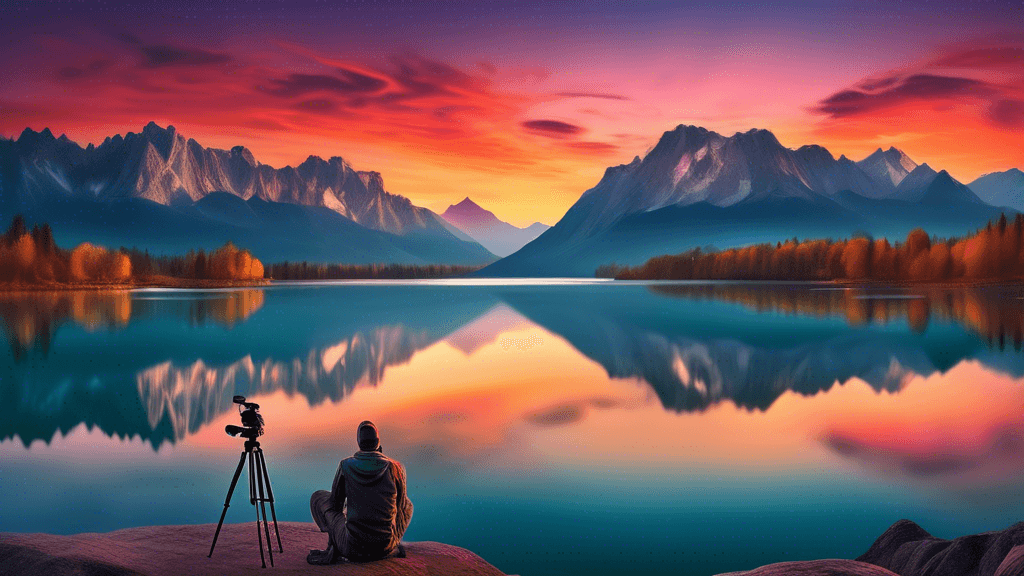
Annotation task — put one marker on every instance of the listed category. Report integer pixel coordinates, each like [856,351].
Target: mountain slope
[157,190]
[697,188]
[1001,188]
[501,238]
[887,168]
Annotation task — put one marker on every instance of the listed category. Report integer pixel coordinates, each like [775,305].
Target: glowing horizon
[521,108]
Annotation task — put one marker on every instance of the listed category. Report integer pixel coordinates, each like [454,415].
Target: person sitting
[367,509]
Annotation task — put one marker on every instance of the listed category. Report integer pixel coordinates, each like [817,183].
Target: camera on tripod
[252,421]
[260,492]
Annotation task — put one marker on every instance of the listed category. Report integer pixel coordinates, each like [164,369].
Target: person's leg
[331,521]
[319,504]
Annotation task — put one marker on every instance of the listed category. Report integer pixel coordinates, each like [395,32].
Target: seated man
[370,525]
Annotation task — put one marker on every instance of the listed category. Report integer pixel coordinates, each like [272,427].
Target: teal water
[552,428]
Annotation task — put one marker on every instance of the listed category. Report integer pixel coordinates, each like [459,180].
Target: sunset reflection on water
[536,405]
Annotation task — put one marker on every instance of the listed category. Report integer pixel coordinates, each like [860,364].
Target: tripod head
[252,421]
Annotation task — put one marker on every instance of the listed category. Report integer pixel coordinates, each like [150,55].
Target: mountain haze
[501,238]
[1001,188]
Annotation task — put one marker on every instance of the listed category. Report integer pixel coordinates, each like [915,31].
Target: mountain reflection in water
[161,365]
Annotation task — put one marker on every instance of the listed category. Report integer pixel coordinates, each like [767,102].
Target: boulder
[909,550]
[173,550]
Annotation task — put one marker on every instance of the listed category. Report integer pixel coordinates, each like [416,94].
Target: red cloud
[1008,113]
[594,147]
[993,57]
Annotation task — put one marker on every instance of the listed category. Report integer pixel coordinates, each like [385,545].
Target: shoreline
[194,284]
[151,282]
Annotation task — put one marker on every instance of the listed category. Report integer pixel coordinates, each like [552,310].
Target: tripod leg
[270,496]
[252,498]
[227,502]
[263,506]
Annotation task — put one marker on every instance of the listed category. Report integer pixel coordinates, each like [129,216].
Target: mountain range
[158,190]
[697,188]
[501,238]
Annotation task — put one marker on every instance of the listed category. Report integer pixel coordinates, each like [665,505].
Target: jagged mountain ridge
[698,188]
[159,191]
[161,165]
[500,237]
[887,168]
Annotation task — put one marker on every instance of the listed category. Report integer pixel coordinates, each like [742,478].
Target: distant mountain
[159,190]
[501,238]
[887,168]
[699,188]
[1001,188]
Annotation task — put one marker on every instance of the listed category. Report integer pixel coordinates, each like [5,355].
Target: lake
[553,427]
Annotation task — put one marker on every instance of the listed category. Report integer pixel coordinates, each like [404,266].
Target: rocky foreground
[906,549]
[175,550]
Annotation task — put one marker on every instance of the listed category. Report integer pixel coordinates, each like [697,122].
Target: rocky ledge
[906,549]
[174,550]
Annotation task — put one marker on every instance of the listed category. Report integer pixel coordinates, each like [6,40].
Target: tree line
[32,257]
[315,271]
[991,253]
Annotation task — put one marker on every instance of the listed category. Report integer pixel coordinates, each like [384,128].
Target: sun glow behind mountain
[521,107]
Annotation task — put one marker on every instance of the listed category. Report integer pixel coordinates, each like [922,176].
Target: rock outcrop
[173,550]
[906,549]
[909,550]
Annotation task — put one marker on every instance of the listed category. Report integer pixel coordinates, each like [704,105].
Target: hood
[366,467]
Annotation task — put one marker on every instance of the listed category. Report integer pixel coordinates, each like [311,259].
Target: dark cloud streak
[163,56]
[300,84]
[553,128]
[915,88]
[600,95]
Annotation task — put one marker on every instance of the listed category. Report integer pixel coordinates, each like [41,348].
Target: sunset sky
[521,105]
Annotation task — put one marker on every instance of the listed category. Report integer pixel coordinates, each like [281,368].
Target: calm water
[580,428]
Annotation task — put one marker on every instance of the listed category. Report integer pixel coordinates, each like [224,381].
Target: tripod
[258,479]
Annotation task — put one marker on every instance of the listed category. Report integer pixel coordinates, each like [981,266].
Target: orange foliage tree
[995,252]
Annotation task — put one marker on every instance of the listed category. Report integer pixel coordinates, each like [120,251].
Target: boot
[323,557]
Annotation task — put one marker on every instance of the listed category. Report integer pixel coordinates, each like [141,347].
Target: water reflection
[994,312]
[183,355]
[190,396]
[696,352]
[30,320]
[531,410]
[694,345]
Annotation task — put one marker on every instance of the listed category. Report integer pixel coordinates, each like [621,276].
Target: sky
[521,105]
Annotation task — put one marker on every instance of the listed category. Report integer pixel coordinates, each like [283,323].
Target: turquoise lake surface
[552,427]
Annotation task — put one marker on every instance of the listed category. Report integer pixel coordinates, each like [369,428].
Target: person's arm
[402,502]
[338,489]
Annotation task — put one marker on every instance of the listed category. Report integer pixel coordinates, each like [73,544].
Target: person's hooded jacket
[372,488]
